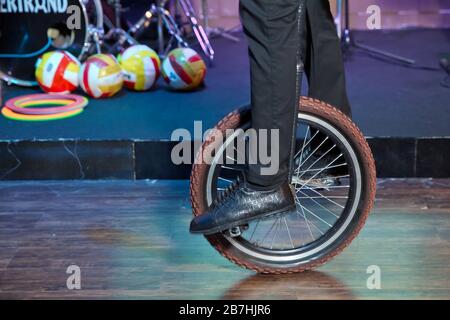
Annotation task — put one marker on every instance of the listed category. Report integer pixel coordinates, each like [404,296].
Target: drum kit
[85,27]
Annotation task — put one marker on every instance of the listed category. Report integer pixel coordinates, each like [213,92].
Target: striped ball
[183,69]
[57,72]
[141,67]
[101,76]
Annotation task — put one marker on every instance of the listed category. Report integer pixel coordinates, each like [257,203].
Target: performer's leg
[272,30]
[324,66]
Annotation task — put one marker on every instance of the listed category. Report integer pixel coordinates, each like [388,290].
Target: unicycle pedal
[236,231]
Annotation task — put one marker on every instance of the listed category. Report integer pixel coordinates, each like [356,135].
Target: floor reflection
[131,240]
[307,285]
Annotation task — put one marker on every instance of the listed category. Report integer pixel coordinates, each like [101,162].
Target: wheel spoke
[226,180]
[306,221]
[309,222]
[276,232]
[320,158]
[333,197]
[312,153]
[289,233]
[268,232]
[341,177]
[325,168]
[303,147]
[324,187]
[320,205]
[256,226]
[313,214]
[335,159]
[325,197]
[231,168]
[309,141]
[231,158]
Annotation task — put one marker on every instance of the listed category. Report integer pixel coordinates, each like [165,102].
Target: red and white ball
[140,66]
[101,76]
[57,72]
[183,69]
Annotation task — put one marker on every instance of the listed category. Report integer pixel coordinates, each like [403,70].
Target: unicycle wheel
[334,180]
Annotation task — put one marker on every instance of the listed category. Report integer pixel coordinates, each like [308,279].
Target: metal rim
[307,251]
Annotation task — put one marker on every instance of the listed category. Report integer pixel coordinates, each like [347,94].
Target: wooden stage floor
[131,240]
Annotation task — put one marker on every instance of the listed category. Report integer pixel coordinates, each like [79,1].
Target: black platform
[404,112]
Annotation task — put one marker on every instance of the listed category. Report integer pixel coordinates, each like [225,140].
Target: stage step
[140,159]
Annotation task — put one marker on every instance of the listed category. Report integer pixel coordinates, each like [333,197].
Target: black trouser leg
[324,66]
[272,30]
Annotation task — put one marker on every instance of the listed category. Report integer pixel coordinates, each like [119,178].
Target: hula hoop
[8,113]
[70,102]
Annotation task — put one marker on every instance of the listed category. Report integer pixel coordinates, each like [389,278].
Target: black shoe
[240,204]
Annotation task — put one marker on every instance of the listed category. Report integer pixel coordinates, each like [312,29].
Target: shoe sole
[241,222]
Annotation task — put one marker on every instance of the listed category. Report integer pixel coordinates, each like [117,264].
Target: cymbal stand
[221,32]
[166,24]
[348,42]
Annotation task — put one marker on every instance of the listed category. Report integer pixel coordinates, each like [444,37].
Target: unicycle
[333,177]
